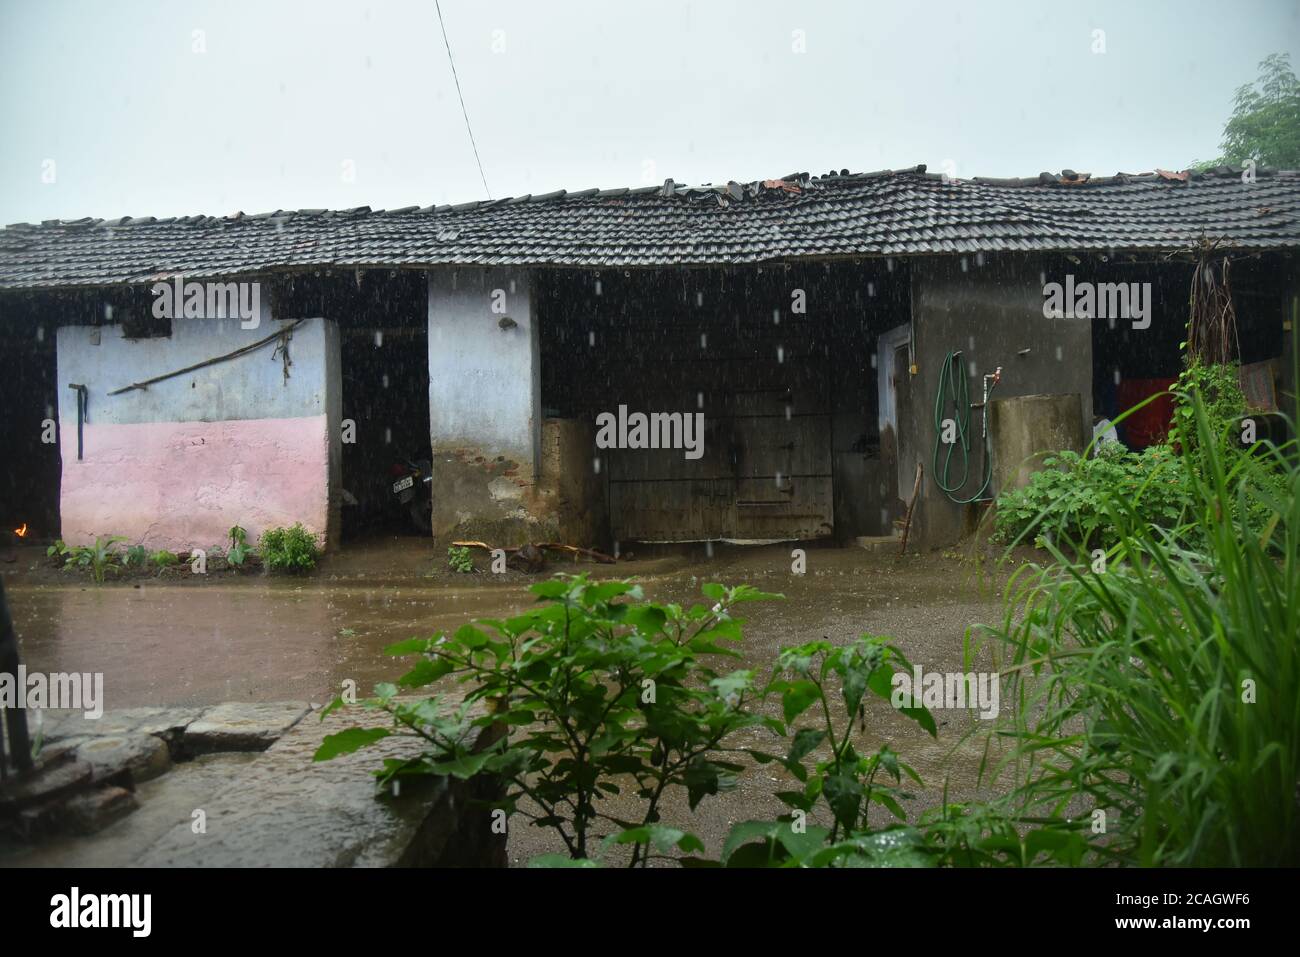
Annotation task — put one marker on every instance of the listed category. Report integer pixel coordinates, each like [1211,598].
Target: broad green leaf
[797,697]
[411,646]
[345,742]
[661,837]
[426,672]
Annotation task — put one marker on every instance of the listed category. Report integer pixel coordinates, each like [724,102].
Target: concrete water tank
[1024,429]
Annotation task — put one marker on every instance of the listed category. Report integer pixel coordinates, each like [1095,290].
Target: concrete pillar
[485,406]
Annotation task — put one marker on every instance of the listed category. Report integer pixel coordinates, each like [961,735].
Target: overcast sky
[119,107]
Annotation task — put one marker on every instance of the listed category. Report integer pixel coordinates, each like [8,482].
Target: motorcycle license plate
[402,484]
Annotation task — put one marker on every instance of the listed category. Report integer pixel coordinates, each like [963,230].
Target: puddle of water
[250,641]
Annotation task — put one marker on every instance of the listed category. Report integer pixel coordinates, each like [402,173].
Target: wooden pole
[907,524]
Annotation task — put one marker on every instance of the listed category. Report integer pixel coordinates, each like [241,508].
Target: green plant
[1264,125]
[59,553]
[163,559]
[1067,499]
[239,551]
[135,557]
[291,549]
[1160,689]
[459,560]
[843,781]
[599,690]
[1219,388]
[100,557]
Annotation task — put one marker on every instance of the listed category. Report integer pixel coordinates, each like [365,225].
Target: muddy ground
[185,639]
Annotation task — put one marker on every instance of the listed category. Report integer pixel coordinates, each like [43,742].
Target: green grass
[1165,689]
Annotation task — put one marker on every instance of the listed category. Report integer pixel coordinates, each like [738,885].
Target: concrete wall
[569,486]
[176,464]
[991,312]
[485,406]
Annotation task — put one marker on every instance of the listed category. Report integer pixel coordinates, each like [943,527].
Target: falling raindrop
[704,340]
[964,265]
[708,548]
[979,259]
[512,287]
[388,436]
[776,317]
[595,465]
[1058,353]
[787,413]
[384,379]
[1042,279]
[699,399]
[889,265]
[598,287]
[108,312]
[971,343]
[616,549]
[699,298]
[873,360]
[379,338]
[871,289]
[591,338]
[778,479]
[780,353]
[972,367]
[1117,376]
[40,333]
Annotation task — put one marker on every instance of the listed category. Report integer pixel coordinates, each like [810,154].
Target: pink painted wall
[181,485]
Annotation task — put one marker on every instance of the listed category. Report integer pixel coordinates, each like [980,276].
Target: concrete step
[879,544]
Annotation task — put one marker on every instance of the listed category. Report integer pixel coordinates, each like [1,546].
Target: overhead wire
[463,112]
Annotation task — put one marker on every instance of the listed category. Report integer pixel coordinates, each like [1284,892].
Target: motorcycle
[412,489]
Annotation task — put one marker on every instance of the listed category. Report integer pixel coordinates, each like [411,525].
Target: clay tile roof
[884,213]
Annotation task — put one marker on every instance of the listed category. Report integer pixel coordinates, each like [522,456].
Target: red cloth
[1150,424]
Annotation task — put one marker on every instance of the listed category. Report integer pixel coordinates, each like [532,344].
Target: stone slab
[56,774]
[238,726]
[286,810]
[92,811]
[63,723]
[140,756]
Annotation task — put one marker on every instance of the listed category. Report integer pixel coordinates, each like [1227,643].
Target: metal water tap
[996,376]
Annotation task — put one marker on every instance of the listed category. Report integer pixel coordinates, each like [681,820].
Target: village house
[816,322]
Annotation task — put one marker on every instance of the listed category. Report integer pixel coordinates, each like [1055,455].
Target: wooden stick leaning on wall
[907,524]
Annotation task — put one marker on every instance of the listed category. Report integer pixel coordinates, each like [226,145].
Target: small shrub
[1069,497]
[291,549]
[101,557]
[596,686]
[1219,387]
[459,559]
[163,559]
[59,553]
[135,557]
[239,551]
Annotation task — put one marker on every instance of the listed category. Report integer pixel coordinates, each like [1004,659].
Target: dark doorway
[29,446]
[382,317]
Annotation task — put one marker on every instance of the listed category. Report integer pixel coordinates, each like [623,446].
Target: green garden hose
[954,388]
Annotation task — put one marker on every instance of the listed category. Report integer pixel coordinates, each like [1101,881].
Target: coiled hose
[955,388]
